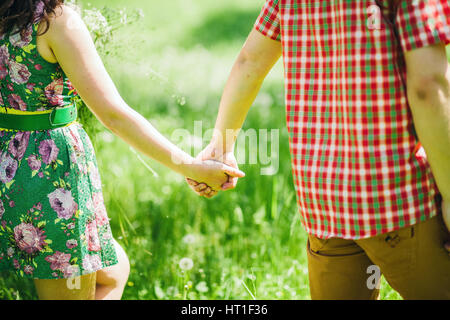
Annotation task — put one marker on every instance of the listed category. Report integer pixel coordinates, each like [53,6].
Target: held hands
[229,164]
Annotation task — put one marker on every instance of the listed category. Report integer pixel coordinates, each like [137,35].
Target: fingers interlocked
[202,189]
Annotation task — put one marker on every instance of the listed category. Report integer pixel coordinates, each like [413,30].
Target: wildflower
[186,264]
[189,239]
[202,287]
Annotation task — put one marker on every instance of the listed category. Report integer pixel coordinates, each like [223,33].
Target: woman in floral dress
[53,222]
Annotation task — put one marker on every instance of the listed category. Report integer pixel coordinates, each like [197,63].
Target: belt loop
[50,117]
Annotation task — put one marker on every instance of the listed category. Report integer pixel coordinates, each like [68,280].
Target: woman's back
[53,222]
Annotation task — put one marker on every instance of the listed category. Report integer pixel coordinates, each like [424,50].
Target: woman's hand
[207,177]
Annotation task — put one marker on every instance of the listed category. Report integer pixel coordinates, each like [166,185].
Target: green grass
[246,243]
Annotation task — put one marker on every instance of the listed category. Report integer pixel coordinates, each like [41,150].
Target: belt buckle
[57,125]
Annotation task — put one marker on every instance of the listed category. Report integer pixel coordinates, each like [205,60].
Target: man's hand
[446,217]
[212,152]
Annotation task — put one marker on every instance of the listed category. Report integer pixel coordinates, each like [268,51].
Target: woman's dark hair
[20,14]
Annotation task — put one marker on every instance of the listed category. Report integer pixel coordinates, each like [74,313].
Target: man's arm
[428,85]
[256,59]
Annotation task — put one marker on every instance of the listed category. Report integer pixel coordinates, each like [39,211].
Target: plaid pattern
[357,169]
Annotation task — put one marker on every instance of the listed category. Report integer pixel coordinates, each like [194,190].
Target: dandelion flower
[186,264]
[251,277]
[202,287]
[189,239]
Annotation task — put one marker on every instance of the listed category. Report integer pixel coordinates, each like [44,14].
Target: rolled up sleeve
[268,22]
[423,23]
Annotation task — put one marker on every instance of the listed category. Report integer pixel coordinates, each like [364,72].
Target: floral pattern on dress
[53,222]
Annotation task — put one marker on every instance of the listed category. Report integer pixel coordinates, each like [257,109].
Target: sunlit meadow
[171,66]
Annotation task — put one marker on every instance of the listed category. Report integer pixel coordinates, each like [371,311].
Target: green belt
[55,118]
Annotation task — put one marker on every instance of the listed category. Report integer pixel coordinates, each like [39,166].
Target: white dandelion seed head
[202,287]
[251,277]
[95,21]
[186,264]
[189,239]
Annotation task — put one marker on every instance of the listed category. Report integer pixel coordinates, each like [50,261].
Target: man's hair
[18,15]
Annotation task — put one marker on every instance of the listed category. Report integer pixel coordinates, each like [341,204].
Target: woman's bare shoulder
[64,19]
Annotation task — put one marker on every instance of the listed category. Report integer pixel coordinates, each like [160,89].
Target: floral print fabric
[53,222]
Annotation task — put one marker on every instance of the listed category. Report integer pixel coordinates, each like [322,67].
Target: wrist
[217,150]
[187,170]
[224,143]
[183,164]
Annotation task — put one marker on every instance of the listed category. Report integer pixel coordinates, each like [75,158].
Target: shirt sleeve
[423,23]
[268,22]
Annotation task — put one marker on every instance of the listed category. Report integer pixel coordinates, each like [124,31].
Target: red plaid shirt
[357,169]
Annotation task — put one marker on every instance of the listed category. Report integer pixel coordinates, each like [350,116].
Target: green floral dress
[53,222]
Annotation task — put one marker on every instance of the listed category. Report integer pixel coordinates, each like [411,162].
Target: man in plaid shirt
[365,80]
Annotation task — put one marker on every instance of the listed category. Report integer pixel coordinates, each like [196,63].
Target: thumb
[233,172]
[230,184]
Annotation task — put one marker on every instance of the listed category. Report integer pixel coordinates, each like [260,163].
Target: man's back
[357,169]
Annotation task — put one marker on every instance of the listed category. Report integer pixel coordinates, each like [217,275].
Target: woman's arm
[73,48]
